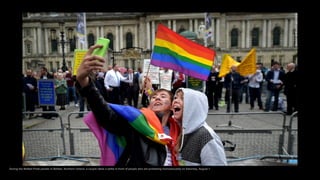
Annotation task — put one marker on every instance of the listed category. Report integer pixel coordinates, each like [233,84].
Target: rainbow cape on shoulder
[111,146]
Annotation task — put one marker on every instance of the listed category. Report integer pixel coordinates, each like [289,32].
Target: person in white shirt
[112,84]
[130,90]
[254,88]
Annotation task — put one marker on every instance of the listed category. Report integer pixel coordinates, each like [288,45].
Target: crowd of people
[270,82]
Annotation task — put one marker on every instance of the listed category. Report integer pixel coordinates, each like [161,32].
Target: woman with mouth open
[198,142]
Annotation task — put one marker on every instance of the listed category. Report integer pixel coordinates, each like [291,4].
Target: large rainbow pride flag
[173,51]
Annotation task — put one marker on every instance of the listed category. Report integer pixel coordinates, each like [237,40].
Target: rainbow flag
[111,146]
[176,52]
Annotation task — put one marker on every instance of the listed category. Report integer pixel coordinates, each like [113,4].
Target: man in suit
[275,81]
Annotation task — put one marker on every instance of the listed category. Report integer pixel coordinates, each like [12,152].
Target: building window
[239,58]
[276,36]
[72,40]
[132,63]
[295,58]
[51,66]
[28,47]
[54,40]
[24,14]
[126,63]
[129,42]
[295,38]
[255,37]
[281,58]
[27,32]
[259,59]
[58,65]
[90,39]
[110,37]
[234,37]
[69,64]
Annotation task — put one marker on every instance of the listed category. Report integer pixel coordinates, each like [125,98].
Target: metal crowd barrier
[44,142]
[256,142]
[246,143]
[23,103]
[81,139]
[293,134]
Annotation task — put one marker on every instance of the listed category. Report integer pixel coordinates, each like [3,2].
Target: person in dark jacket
[30,88]
[129,137]
[275,79]
[212,88]
[233,82]
[290,88]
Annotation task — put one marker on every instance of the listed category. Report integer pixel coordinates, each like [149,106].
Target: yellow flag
[248,64]
[227,62]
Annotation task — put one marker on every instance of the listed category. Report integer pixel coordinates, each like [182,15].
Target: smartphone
[102,51]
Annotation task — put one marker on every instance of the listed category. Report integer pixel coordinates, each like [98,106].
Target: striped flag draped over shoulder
[176,52]
[112,146]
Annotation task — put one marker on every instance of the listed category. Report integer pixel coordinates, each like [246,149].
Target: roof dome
[189,34]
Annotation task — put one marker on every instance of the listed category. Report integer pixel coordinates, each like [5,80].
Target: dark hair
[275,62]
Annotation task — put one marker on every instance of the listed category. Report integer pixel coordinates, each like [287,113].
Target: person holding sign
[46,75]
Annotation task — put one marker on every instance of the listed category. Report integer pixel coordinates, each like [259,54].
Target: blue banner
[46,92]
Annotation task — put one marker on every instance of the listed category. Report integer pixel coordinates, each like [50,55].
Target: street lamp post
[64,66]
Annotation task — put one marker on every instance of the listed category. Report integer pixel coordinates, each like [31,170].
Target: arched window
[234,37]
[110,37]
[90,39]
[276,36]
[255,37]
[129,42]
[54,40]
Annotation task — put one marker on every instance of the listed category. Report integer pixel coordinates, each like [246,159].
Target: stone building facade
[132,35]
